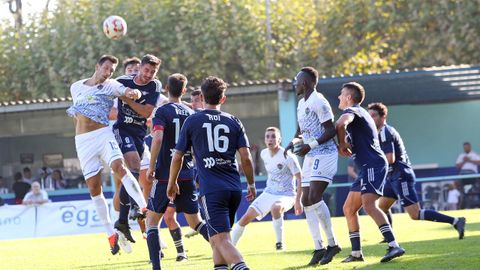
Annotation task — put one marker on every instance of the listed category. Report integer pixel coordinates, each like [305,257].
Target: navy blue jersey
[148,140]
[363,137]
[215,137]
[170,118]
[391,142]
[128,119]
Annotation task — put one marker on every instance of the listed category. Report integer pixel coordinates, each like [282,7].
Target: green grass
[428,245]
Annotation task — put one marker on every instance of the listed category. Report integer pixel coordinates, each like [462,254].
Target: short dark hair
[213,89]
[357,91]
[466,143]
[275,129]
[151,60]
[379,107]
[176,83]
[196,92]
[130,61]
[27,169]
[17,176]
[312,72]
[107,57]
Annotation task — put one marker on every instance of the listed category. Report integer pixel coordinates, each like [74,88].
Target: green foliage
[228,39]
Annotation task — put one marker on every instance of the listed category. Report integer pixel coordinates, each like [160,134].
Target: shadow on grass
[192,261]
[431,254]
[116,265]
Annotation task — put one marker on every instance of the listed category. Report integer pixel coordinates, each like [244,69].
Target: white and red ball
[114,27]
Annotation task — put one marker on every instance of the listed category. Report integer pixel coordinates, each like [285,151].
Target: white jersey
[281,172]
[311,114]
[94,102]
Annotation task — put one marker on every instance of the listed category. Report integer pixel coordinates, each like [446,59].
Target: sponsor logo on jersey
[279,166]
[209,162]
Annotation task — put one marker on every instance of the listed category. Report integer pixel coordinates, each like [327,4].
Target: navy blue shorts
[186,202]
[370,180]
[219,209]
[129,142]
[388,190]
[403,185]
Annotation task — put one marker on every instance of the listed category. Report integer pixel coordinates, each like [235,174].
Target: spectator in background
[3,187]
[453,197]
[20,187]
[27,175]
[468,161]
[352,170]
[45,178]
[36,195]
[57,180]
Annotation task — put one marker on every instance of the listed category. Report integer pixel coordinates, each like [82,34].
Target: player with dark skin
[305,85]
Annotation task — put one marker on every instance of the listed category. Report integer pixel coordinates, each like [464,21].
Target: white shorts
[94,147]
[319,168]
[263,203]
[145,163]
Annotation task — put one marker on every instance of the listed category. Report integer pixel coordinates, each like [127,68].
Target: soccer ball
[114,27]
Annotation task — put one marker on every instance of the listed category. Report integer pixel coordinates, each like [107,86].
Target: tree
[229,39]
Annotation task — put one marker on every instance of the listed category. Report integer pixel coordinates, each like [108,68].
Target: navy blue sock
[355,241]
[387,232]
[154,250]
[240,266]
[220,267]
[202,229]
[124,205]
[433,215]
[177,239]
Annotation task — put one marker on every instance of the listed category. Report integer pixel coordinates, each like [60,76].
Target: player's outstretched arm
[344,148]
[247,165]
[145,110]
[132,94]
[175,166]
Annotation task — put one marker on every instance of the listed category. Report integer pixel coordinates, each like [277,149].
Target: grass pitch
[429,245]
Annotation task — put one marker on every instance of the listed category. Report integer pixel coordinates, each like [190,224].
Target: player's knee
[170,221]
[370,208]
[348,210]
[277,209]
[413,215]
[118,167]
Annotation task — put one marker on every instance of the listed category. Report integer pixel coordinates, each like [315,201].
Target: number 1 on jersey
[176,121]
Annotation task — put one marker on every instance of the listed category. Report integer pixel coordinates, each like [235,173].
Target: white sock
[237,232]
[278,227]
[357,253]
[393,244]
[326,222]
[102,212]
[312,221]
[133,189]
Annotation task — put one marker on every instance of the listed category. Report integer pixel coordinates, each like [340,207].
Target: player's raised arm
[247,166]
[144,110]
[341,127]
